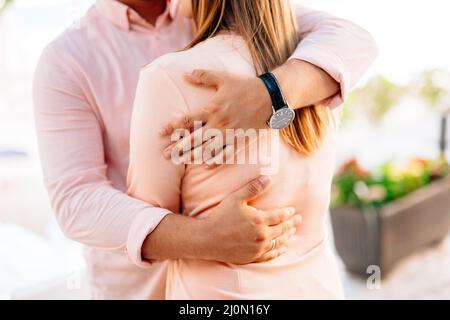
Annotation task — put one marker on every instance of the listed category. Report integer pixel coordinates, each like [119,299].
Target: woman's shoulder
[218,54]
[181,60]
[215,53]
[167,72]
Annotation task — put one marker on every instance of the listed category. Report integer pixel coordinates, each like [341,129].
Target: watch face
[282,118]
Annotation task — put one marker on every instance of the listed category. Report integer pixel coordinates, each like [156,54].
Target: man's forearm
[304,84]
[176,237]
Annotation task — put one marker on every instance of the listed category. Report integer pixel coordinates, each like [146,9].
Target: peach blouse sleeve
[151,177]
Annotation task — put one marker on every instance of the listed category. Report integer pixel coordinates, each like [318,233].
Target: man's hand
[242,102]
[240,234]
[233,232]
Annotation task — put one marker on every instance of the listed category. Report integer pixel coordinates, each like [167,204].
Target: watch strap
[272,85]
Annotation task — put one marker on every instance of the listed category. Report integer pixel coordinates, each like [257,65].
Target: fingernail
[298,218]
[264,180]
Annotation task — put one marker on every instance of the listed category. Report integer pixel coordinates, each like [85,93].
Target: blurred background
[391,189]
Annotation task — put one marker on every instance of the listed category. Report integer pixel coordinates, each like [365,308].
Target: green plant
[433,86]
[4,4]
[357,187]
[377,97]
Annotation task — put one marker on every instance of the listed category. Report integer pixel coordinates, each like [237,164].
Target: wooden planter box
[382,237]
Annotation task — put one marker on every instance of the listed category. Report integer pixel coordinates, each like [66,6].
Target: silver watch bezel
[286,110]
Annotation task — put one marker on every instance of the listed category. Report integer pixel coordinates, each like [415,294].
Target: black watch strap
[272,85]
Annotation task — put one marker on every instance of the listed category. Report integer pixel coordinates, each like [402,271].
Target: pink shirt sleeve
[339,47]
[87,207]
[151,177]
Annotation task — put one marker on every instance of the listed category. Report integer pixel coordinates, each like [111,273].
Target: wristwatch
[283,115]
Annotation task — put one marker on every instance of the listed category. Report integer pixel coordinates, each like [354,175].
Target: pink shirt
[84,90]
[307,270]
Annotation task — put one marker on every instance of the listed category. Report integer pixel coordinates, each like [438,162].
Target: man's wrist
[203,242]
[199,239]
[304,84]
[265,106]
[177,237]
[283,75]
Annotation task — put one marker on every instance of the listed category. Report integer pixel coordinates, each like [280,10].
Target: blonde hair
[270,31]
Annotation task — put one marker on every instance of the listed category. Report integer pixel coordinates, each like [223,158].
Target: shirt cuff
[143,224]
[331,64]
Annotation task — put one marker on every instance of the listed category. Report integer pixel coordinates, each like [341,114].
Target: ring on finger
[274,244]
